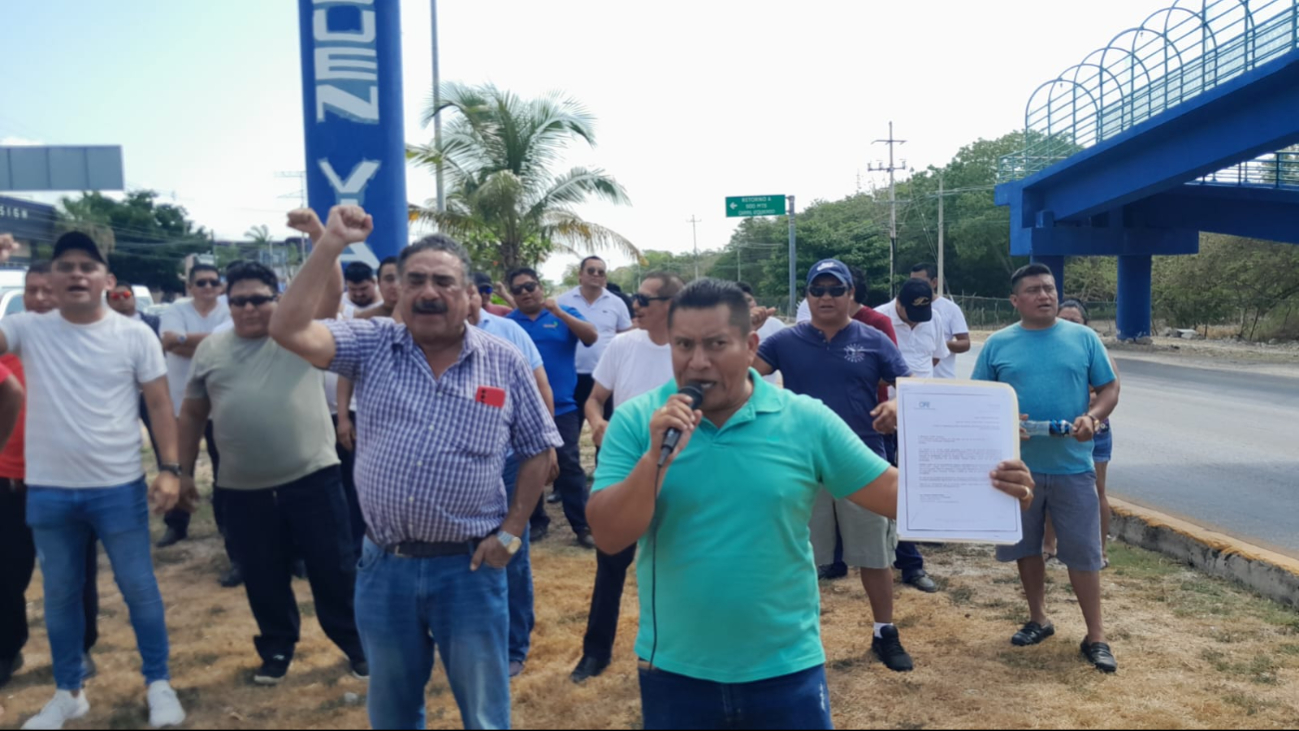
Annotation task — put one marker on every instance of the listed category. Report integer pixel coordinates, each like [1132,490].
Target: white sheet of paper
[951,435]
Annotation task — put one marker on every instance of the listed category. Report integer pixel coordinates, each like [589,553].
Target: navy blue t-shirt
[844,374]
[558,346]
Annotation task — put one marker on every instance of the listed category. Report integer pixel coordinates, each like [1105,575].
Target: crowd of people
[389,435]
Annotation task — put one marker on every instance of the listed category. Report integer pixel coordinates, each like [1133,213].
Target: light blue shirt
[509,330]
[1052,372]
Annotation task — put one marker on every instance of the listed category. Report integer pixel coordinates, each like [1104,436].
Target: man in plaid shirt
[438,403]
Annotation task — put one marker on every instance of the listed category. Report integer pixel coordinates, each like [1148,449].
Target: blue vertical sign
[352,107]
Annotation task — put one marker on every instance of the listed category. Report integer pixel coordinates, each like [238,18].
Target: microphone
[696,394]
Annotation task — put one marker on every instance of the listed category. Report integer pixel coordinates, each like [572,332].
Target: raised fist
[7,247]
[350,223]
[306,221]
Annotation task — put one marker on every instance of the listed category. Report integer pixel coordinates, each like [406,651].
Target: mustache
[434,307]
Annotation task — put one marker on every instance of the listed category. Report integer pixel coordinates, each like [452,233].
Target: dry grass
[1195,653]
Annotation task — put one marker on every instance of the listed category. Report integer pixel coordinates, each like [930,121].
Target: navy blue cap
[78,241]
[834,268]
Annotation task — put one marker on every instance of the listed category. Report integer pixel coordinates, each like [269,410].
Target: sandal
[1032,634]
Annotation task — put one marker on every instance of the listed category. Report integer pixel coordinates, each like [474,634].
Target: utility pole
[793,261]
[695,231]
[437,113]
[893,205]
[941,248]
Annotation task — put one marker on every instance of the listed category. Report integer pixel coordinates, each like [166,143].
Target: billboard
[27,221]
[33,168]
[352,113]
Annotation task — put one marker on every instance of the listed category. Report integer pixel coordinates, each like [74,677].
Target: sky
[694,101]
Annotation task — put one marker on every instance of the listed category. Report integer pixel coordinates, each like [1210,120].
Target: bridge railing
[1277,170]
[1175,55]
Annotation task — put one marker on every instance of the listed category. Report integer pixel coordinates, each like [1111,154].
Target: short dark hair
[38,267]
[745,288]
[1076,305]
[1032,270]
[582,267]
[521,271]
[436,243]
[123,283]
[861,289]
[670,283]
[707,293]
[930,270]
[358,272]
[240,271]
[197,268]
[388,260]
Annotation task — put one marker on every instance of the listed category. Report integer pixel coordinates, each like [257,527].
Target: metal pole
[893,221]
[793,261]
[941,252]
[695,233]
[437,102]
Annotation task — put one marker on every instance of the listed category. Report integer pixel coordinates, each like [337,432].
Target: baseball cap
[78,241]
[481,279]
[918,299]
[833,267]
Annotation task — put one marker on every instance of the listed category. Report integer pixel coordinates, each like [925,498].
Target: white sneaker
[164,706]
[59,711]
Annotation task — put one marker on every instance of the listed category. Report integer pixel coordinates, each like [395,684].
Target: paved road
[1216,447]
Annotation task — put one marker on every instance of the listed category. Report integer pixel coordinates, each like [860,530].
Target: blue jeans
[518,575]
[62,522]
[670,701]
[571,483]
[406,609]
[909,560]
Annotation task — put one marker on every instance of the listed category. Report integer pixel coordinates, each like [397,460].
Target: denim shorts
[1075,511]
[1104,446]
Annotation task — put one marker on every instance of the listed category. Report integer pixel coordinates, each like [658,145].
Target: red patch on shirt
[494,397]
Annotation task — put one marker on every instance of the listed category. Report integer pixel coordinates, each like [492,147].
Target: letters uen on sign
[347,85]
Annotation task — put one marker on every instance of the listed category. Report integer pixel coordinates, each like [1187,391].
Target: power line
[893,204]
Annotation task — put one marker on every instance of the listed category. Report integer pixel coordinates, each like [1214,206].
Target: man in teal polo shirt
[730,610]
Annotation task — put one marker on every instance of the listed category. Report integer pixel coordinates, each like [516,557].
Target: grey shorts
[869,540]
[1076,514]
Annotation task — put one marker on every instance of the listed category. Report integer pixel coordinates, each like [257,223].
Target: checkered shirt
[429,457]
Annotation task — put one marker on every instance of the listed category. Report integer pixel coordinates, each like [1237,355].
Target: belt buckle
[396,551]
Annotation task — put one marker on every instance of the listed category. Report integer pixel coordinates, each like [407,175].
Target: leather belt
[418,549]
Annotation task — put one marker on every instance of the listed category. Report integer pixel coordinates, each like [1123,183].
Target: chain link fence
[994,313]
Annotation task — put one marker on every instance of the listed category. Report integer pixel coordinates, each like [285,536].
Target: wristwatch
[172,467]
[512,543]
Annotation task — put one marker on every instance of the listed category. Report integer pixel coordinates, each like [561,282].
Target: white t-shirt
[609,315]
[772,326]
[83,396]
[182,318]
[633,365]
[953,325]
[919,345]
[804,312]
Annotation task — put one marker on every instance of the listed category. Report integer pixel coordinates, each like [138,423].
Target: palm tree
[505,202]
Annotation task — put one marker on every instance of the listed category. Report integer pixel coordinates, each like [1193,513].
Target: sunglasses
[596,272]
[207,283]
[485,291]
[256,300]
[119,296]
[644,300]
[837,291]
[525,287]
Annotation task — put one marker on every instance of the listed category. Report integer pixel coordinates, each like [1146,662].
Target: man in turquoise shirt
[1053,364]
[730,610]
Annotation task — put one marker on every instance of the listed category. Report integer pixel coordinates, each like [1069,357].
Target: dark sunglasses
[644,300]
[525,287]
[596,272]
[119,296]
[485,291]
[256,300]
[837,291]
[207,282]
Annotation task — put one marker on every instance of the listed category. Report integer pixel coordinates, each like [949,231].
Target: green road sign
[755,205]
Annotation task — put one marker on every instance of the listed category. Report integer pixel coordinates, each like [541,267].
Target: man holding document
[1052,364]
[730,610]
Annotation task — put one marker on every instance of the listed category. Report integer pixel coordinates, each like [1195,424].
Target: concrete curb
[1269,573]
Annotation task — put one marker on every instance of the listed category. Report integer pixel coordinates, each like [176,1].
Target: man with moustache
[438,404]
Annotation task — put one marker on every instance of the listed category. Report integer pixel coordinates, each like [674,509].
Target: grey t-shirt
[269,415]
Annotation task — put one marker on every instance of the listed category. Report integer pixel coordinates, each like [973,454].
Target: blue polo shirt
[733,569]
[1052,372]
[558,346]
[843,373]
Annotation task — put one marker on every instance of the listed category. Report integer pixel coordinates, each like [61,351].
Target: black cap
[918,299]
[481,279]
[78,241]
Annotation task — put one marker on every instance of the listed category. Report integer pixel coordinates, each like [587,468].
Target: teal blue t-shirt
[1052,372]
[737,590]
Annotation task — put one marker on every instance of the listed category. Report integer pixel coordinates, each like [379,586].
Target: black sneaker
[1100,656]
[300,569]
[88,667]
[1032,634]
[538,532]
[585,540]
[588,668]
[554,498]
[171,538]
[888,648]
[922,582]
[831,572]
[232,578]
[273,671]
[10,668]
[361,670]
